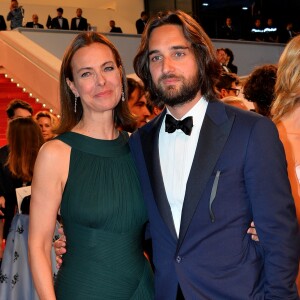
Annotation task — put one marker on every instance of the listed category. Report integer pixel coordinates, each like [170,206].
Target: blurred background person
[257,31]
[2,23]
[16,109]
[228,31]
[48,123]
[114,28]
[15,15]
[154,110]
[24,139]
[271,32]
[229,61]
[79,22]
[259,88]
[222,57]
[137,102]
[141,23]
[35,22]
[286,115]
[227,85]
[60,22]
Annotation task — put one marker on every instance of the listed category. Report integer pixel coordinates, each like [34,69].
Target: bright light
[244,8]
[37,100]
[44,105]
[24,90]
[205,4]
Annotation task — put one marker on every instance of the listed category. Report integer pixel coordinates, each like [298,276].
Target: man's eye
[179,54]
[155,58]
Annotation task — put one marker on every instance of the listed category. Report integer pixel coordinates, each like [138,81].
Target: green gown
[104,217]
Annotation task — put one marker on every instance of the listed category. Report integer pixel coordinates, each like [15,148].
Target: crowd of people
[261,30]
[16,17]
[193,180]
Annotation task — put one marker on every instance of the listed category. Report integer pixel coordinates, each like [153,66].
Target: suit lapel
[215,130]
[149,138]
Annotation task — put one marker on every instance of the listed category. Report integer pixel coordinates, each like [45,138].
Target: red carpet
[9,91]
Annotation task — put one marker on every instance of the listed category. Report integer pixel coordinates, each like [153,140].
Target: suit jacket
[30,25]
[82,25]
[238,175]
[116,30]
[140,26]
[2,23]
[55,24]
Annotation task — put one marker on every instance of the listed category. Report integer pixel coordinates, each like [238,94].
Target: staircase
[9,91]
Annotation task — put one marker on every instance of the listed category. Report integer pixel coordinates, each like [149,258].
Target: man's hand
[60,247]
[2,205]
[253,232]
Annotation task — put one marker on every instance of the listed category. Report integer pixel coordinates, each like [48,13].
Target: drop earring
[75,104]
[123,96]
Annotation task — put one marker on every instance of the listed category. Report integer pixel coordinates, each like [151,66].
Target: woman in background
[286,115]
[48,124]
[24,139]
[259,88]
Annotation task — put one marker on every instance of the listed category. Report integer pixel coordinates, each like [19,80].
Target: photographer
[16,15]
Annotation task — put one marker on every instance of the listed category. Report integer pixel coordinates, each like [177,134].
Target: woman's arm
[50,175]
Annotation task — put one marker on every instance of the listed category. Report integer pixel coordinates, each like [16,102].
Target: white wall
[97,12]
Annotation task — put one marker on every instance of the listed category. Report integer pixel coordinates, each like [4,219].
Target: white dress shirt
[176,154]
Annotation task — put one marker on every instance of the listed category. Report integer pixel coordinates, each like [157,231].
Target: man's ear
[72,87]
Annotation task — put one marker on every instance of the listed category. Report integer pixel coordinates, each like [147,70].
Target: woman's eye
[111,68]
[85,74]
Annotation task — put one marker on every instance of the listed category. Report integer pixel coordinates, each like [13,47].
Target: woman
[286,115]
[24,139]
[88,172]
[259,88]
[48,124]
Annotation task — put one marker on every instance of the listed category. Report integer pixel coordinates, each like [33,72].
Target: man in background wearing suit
[141,22]
[35,22]
[79,23]
[207,169]
[60,22]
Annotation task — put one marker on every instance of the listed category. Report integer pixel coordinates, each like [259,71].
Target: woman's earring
[123,96]
[75,104]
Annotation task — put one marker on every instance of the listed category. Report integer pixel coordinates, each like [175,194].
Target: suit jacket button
[178,259]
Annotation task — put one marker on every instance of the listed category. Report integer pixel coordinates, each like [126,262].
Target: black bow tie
[185,125]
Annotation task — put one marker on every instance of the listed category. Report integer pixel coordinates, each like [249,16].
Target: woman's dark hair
[208,66]
[69,118]
[260,88]
[24,138]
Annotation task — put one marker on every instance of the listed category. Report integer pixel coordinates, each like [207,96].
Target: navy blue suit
[238,175]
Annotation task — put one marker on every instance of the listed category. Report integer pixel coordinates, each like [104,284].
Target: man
[228,31]
[16,109]
[206,177]
[79,23]
[15,15]
[113,27]
[271,32]
[35,22]
[141,22]
[202,190]
[227,85]
[60,22]
[137,102]
[257,32]
[222,58]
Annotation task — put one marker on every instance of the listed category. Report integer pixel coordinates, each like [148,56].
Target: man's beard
[173,95]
